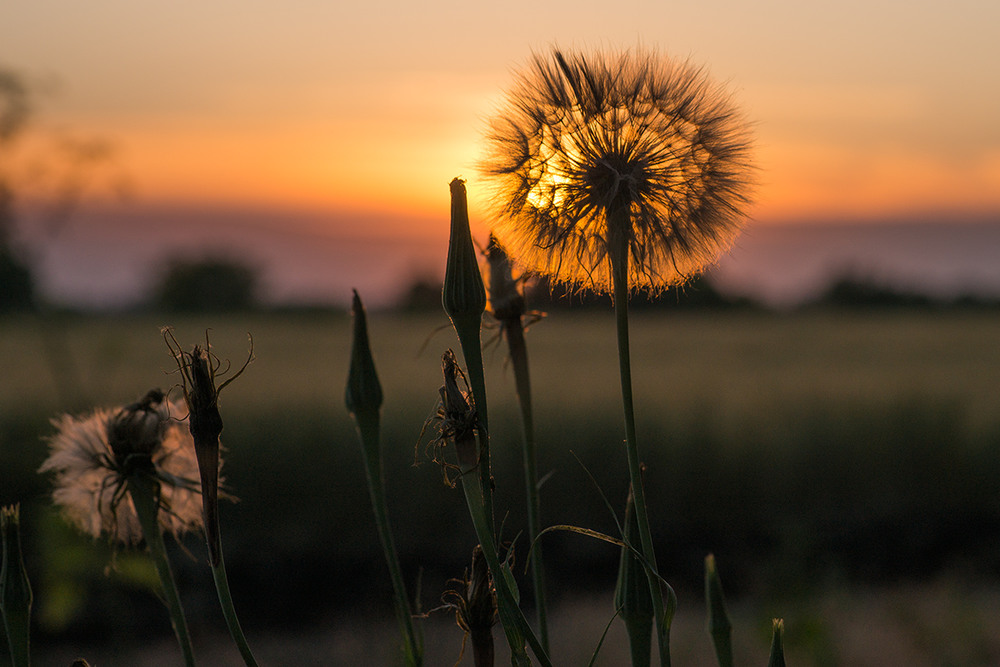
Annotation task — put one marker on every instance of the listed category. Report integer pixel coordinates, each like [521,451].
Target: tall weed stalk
[364,402]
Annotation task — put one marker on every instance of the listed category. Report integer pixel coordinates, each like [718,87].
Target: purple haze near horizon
[111,260]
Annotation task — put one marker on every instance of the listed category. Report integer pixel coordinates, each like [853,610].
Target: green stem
[229,611]
[479,498]
[522,379]
[470,339]
[619,271]
[368,430]
[719,626]
[516,627]
[15,589]
[632,594]
[145,497]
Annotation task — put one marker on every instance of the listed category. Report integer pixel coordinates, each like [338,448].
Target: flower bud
[719,627]
[364,391]
[138,429]
[777,658]
[506,300]
[464,295]
[205,423]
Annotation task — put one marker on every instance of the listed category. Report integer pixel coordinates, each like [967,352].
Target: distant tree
[852,292]
[210,284]
[17,285]
[424,294]
[58,178]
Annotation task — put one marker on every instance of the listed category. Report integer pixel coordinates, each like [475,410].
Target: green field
[805,450]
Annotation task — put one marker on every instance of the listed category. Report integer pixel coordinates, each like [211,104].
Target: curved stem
[368,429]
[229,611]
[145,497]
[512,619]
[619,271]
[522,379]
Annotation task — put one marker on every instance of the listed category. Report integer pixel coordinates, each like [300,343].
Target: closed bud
[364,391]
[506,299]
[138,429]
[719,626]
[464,294]
[777,658]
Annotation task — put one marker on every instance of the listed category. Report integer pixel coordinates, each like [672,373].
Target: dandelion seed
[592,153]
[94,456]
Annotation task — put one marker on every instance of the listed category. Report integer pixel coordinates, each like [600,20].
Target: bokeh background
[820,411]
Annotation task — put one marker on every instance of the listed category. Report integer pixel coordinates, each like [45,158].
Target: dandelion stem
[515,626]
[368,430]
[363,399]
[632,599]
[15,589]
[619,270]
[229,611]
[144,494]
[464,299]
[469,337]
[478,497]
[519,358]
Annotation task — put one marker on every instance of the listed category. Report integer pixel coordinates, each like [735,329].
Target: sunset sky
[864,109]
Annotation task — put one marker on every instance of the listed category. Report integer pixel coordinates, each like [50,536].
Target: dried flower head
[473,599]
[455,421]
[631,151]
[94,456]
[199,371]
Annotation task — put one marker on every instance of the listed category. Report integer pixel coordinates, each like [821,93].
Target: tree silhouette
[203,285]
[16,282]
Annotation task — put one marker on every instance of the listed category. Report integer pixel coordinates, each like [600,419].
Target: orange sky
[862,108]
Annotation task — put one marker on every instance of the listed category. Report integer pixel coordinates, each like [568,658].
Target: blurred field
[810,452]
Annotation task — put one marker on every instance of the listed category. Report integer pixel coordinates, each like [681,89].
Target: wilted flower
[94,456]
[595,156]
[455,421]
[474,601]
[199,369]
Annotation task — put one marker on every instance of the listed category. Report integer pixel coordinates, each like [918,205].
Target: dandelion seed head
[589,151]
[92,456]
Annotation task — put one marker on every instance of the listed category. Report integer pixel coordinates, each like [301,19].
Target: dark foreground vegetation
[806,451]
